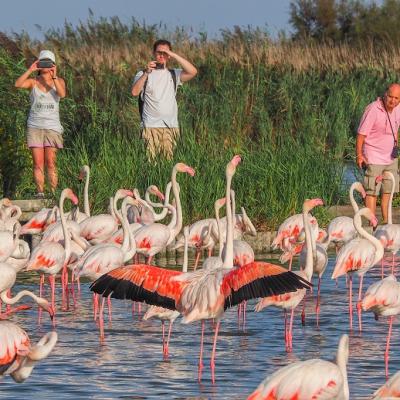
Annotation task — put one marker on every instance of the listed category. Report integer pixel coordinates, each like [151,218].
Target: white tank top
[44,112]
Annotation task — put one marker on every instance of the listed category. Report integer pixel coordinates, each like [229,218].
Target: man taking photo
[156,85]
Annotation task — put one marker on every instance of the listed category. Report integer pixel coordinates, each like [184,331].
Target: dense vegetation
[290,109]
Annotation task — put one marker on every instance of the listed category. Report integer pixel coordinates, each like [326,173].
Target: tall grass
[291,111]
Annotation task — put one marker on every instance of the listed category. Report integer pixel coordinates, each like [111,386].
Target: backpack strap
[142,93]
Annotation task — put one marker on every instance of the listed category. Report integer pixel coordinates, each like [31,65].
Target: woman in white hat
[44,127]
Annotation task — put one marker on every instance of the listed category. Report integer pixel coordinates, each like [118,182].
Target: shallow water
[129,363]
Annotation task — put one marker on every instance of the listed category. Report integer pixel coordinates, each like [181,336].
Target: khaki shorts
[44,138]
[160,140]
[373,171]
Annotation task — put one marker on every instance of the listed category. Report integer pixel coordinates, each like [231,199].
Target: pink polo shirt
[375,126]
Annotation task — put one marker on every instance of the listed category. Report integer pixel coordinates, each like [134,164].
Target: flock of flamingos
[75,245]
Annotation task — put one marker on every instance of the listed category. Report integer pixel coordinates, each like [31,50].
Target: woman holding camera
[44,135]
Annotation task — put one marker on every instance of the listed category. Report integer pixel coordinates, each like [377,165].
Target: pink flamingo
[341,229]
[311,379]
[99,228]
[390,390]
[52,257]
[389,234]
[151,239]
[40,221]
[358,256]
[9,241]
[164,314]
[203,294]
[8,276]
[383,299]
[289,301]
[17,356]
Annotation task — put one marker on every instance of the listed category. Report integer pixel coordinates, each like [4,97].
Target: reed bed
[291,110]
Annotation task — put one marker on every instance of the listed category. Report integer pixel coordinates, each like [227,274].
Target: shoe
[39,195]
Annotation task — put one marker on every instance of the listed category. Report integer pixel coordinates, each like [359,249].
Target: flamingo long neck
[341,361]
[129,244]
[12,300]
[185,251]
[228,260]
[372,239]
[220,241]
[86,193]
[67,239]
[308,269]
[352,199]
[390,220]
[175,191]
[112,212]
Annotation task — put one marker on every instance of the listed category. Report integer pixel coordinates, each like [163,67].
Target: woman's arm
[58,82]
[24,82]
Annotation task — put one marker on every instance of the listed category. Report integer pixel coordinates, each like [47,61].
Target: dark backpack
[141,95]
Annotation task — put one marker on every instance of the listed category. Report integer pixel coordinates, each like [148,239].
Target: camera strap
[390,122]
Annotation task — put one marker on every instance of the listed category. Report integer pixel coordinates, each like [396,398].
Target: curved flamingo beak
[236,160]
[190,171]
[160,195]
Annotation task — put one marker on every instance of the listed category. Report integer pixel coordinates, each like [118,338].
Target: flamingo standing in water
[389,234]
[383,299]
[390,390]
[153,238]
[203,294]
[52,257]
[311,379]
[289,301]
[17,356]
[358,256]
[164,314]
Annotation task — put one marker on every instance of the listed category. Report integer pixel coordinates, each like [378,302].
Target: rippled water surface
[129,363]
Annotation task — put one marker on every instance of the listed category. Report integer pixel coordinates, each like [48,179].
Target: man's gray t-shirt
[160,109]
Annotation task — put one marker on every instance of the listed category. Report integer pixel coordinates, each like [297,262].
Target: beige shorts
[373,171]
[44,138]
[160,140]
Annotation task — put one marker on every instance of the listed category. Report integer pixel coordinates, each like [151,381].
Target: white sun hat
[47,54]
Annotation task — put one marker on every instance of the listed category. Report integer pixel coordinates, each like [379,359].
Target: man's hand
[150,66]
[53,71]
[361,160]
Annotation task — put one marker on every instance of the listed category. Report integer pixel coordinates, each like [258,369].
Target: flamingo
[99,228]
[164,314]
[390,390]
[389,234]
[9,241]
[151,239]
[202,294]
[17,356]
[9,216]
[358,256]
[40,221]
[289,301]
[8,276]
[383,299]
[311,379]
[52,257]
[341,229]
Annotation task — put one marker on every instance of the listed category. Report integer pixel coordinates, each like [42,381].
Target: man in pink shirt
[376,138]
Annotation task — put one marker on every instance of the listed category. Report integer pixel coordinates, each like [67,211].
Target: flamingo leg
[109,308]
[149,260]
[244,315]
[303,312]
[52,280]
[200,368]
[290,330]
[95,305]
[169,337]
[212,361]
[317,308]
[163,336]
[41,283]
[101,319]
[286,331]
[359,303]
[387,347]
[351,301]
[196,262]
[239,314]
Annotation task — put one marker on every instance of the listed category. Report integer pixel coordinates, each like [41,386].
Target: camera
[160,65]
[395,152]
[45,64]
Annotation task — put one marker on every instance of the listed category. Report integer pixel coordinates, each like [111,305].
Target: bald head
[392,96]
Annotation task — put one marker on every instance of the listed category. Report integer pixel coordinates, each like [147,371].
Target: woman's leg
[50,154]
[38,167]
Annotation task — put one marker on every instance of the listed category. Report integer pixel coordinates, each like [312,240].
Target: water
[129,364]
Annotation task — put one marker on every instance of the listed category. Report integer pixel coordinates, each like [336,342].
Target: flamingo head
[360,189]
[6,202]
[44,304]
[310,204]
[71,195]
[367,213]
[181,167]
[83,172]
[153,189]
[231,167]
[220,202]
[379,179]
